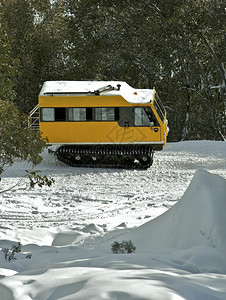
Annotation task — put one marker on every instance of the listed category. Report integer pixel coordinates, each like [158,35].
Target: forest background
[176,46]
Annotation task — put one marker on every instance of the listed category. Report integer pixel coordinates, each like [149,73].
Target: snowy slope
[174,213]
[196,219]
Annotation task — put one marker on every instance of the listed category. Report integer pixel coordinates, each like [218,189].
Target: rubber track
[68,153]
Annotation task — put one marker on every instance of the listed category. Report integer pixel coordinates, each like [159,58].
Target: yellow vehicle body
[101,113]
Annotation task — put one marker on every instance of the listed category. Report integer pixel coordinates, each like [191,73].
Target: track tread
[117,154]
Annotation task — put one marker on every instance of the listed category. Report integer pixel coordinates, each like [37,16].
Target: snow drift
[198,219]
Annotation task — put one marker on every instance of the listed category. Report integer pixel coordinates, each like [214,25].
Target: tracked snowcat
[101,123]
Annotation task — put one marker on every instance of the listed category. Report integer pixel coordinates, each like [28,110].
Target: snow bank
[204,147]
[196,221]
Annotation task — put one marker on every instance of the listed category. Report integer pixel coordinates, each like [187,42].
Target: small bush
[10,253]
[123,247]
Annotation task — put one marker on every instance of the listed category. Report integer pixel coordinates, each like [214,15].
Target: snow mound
[66,238]
[91,228]
[197,219]
[6,293]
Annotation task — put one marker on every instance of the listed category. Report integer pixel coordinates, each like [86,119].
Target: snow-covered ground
[174,213]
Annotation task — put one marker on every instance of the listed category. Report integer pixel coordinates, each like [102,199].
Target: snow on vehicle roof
[130,94]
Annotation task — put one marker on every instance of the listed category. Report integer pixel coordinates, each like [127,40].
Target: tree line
[176,46]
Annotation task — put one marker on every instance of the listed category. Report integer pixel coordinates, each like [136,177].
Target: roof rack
[98,92]
[67,93]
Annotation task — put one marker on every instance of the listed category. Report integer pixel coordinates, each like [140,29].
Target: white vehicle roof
[130,94]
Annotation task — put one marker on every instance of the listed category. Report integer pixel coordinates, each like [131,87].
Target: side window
[47,114]
[105,114]
[77,114]
[141,118]
[159,108]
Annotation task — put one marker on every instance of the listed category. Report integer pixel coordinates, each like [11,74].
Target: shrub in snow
[115,247]
[123,247]
[10,253]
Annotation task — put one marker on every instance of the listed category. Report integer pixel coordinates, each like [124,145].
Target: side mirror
[151,124]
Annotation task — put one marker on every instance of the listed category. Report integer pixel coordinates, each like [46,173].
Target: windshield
[159,108]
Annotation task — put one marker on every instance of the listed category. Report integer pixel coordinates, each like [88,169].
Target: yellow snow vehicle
[101,123]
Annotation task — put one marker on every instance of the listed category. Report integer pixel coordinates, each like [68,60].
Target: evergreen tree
[36,29]
[8,65]
[17,139]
